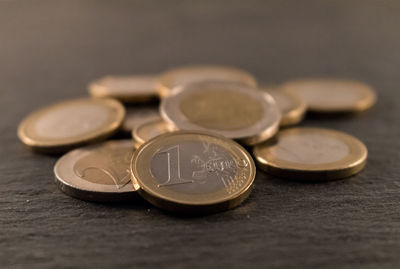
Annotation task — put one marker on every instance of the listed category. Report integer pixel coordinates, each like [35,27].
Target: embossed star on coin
[333,95]
[190,74]
[97,172]
[71,124]
[134,88]
[312,154]
[149,129]
[192,172]
[233,110]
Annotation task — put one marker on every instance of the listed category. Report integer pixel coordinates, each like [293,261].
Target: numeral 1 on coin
[174,168]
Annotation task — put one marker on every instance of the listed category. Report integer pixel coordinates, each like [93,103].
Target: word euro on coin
[149,129]
[230,109]
[333,96]
[98,172]
[191,74]
[135,88]
[192,172]
[312,154]
[71,124]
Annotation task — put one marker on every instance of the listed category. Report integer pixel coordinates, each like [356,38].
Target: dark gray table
[50,50]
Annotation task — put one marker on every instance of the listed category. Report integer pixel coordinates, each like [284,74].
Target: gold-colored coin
[312,154]
[333,96]
[98,172]
[230,109]
[192,172]
[292,106]
[149,129]
[70,124]
[135,88]
[137,114]
[191,74]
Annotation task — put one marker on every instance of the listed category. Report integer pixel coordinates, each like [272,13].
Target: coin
[137,114]
[97,172]
[333,96]
[192,172]
[292,107]
[134,88]
[230,109]
[312,154]
[148,130]
[190,74]
[70,124]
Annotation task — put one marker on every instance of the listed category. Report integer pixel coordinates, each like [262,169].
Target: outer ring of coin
[264,129]
[139,140]
[76,187]
[296,114]
[348,166]
[180,203]
[361,105]
[62,145]
[98,90]
[166,84]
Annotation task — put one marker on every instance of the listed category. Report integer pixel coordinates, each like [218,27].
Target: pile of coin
[191,128]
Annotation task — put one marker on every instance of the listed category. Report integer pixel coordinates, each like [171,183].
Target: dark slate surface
[49,50]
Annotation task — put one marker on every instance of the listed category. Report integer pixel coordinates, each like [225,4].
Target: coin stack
[191,127]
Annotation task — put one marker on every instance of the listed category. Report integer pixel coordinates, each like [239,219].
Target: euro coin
[333,96]
[149,129]
[98,172]
[190,74]
[230,109]
[70,124]
[134,88]
[192,172]
[137,114]
[312,154]
[292,106]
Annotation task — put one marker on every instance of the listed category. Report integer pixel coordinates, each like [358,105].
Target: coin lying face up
[333,96]
[135,88]
[233,110]
[192,172]
[292,107]
[137,114]
[71,123]
[312,154]
[97,172]
[149,129]
[191,74]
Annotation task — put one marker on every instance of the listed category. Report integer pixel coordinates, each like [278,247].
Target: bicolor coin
[149,129]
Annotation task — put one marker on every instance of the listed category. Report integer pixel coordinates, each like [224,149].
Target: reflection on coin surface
[191,74]
[292,107]
[324,95]
[233,110]
[149,129]
[97,172]
[137,114]
[125,88]
[71,123]
[192,172]
[312,154]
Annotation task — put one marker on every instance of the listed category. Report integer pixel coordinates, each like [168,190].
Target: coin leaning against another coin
[192,172]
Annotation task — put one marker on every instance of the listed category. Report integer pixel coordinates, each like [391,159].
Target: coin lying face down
[192,172]
[233,110]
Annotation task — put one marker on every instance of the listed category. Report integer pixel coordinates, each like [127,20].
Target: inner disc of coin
[218,109]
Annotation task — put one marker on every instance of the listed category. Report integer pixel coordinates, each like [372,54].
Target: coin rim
[347,166]
[135,133]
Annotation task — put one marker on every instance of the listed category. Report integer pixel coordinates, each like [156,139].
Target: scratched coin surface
[312,154]
[292,106]
[137,114]
[69,124]
[333,96]
[97,172]
[192,172]
[134,88]
[149,129]
[230,109]
[191,74]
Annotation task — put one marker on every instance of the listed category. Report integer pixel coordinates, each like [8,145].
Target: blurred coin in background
[149,129]
[137,114]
